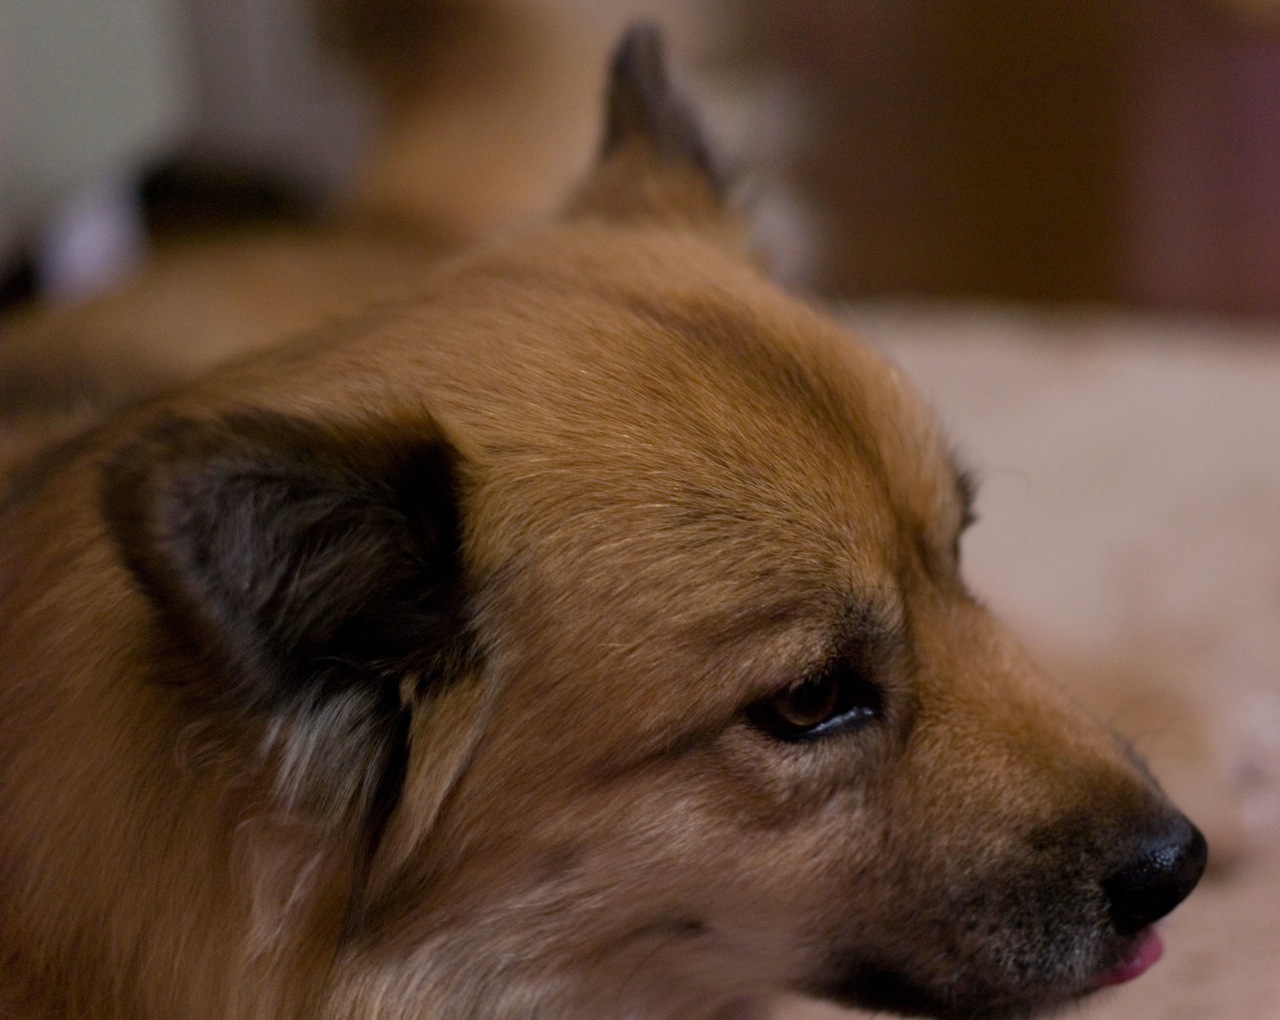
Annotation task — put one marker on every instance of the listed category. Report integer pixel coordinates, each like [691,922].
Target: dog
[584,637]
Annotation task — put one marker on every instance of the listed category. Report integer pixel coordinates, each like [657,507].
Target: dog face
[594,634]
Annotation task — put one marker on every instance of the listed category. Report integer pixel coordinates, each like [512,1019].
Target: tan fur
[681,490]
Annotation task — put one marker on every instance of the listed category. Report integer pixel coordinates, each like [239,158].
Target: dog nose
[1160,875]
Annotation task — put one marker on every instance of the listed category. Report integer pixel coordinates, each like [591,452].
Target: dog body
[584,638]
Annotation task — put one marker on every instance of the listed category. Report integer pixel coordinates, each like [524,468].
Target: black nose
[1163,870]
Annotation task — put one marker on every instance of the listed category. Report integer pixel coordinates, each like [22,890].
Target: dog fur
[583,638]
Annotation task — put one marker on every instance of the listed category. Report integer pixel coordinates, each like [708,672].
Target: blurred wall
[1052,150]
[88,90]
[963,147]
[1203,176]
[1095,150]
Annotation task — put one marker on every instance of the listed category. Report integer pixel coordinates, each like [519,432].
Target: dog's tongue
[1141,958]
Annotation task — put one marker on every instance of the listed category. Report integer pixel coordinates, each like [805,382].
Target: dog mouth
[887,988]
[1143,954]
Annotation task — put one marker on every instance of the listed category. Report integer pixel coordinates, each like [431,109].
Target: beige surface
[1130,513]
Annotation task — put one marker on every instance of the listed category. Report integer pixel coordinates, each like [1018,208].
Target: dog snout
[1163,867]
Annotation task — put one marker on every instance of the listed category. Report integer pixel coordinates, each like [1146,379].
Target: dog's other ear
[655,164]
[301,562]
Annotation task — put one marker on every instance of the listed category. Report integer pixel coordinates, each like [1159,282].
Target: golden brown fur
[606,497]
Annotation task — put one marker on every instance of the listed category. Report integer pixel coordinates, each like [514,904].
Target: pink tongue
[1141,958]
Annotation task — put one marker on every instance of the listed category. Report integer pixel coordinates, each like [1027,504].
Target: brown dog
[584,639]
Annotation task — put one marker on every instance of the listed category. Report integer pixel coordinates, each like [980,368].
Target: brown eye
[837,698]
[810,704]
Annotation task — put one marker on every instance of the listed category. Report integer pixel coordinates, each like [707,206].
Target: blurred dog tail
[489,108]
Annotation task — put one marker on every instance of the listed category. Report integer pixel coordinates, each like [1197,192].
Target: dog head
[603,613]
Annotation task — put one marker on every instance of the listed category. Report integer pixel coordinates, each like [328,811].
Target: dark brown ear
[655,163]
[295,561]
[309,575]
[305,574]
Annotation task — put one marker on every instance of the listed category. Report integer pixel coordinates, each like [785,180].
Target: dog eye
[838,698]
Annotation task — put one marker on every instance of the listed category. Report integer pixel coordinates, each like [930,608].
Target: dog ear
[655,163]
[300,561]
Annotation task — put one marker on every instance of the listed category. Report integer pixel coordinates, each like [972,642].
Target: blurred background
[1066,150]
[1118,151]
